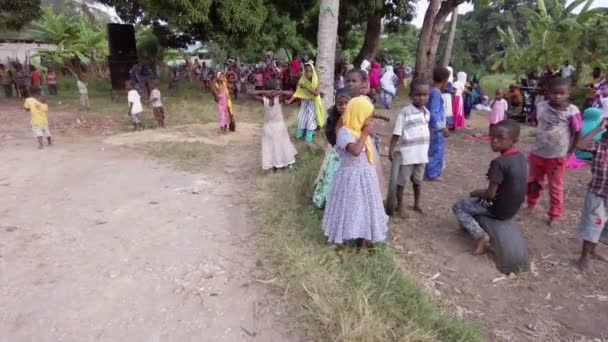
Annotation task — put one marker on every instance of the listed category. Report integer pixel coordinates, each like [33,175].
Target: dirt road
[102,243]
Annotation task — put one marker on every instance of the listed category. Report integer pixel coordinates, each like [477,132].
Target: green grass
[184,155]
[189,106]
[491,83]
[339,294]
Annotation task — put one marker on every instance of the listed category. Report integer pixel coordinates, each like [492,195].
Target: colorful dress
[458,101]
[592,117]
[277,149]
[437,143]
[354,208]
[223,114]
[331,164]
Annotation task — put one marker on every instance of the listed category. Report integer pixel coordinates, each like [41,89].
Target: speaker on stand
[123,54]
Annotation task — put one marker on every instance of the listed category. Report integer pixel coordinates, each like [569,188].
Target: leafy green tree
[555,34]
[78,42]
[15,14]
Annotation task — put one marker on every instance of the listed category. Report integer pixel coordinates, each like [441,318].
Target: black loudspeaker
[119,70]
[121,39]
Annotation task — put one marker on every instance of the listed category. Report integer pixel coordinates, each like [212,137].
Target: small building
[14,50]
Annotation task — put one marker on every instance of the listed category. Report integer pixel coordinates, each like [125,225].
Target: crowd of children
[17,79]
[350,181]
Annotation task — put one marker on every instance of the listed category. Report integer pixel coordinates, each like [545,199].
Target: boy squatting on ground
[595,210]
[412,133]
[36,104]
[135,107]
[506,189]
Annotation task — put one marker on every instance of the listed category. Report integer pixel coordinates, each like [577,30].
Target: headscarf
[387,83]
[349,67]
[365,64]
[357,111]
[311,86]
[225,86]
[461,82]
[374,76]
[592,117]
[451,70]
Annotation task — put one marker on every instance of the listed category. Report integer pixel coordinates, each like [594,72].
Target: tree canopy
[15,14]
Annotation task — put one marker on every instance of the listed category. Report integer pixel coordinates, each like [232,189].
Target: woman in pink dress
[224,103]
[458,100]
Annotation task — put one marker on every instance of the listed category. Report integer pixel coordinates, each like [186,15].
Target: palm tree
[326,54]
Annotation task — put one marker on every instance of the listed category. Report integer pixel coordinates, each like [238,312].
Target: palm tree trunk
[326,54]
[447,55]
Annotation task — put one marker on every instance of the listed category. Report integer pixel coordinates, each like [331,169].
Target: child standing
[277,150]
[36,105]
[331,161]
[412,133]
[354,209]
[135,107]
[458,100]
[499,109]
[81,84]
[224,103]
[595,210]
[506,189]
[558,131]
[437,127]
[157,104]
[311,113]
[35,75]
[51,81]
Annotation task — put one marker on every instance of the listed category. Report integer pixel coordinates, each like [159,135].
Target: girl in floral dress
[331,162]
[354,209]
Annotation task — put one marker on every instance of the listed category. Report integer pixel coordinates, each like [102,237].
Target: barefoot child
[224,103]
[135,107]
[331,161]
[157,104]
[595,210]
[354,209]
[277,150]
[558,131]
[36,105]
[499,109]
[412,133]
[506,189]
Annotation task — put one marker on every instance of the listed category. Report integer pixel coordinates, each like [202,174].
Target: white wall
[20,51]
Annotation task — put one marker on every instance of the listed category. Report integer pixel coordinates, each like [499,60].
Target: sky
[422,5]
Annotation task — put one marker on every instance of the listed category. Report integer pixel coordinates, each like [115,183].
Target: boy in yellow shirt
[36,104]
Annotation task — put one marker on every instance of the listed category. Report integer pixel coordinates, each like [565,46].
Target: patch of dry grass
[338,294]
[188,156]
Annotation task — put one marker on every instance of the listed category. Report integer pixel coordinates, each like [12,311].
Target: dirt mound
[207,134]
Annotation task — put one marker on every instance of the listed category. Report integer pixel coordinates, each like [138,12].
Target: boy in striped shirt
[412,133]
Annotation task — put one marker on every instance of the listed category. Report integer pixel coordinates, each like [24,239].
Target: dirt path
[102,243]
[553,302]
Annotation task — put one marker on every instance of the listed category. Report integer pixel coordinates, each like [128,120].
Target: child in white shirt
[157,104]
[135,107]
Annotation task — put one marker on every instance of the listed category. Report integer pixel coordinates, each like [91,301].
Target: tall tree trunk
[326,52]
[447,55]
[434,19]
[372,37]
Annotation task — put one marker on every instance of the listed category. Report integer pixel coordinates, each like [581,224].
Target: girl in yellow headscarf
[354,209]
[312,114]
[224,103]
